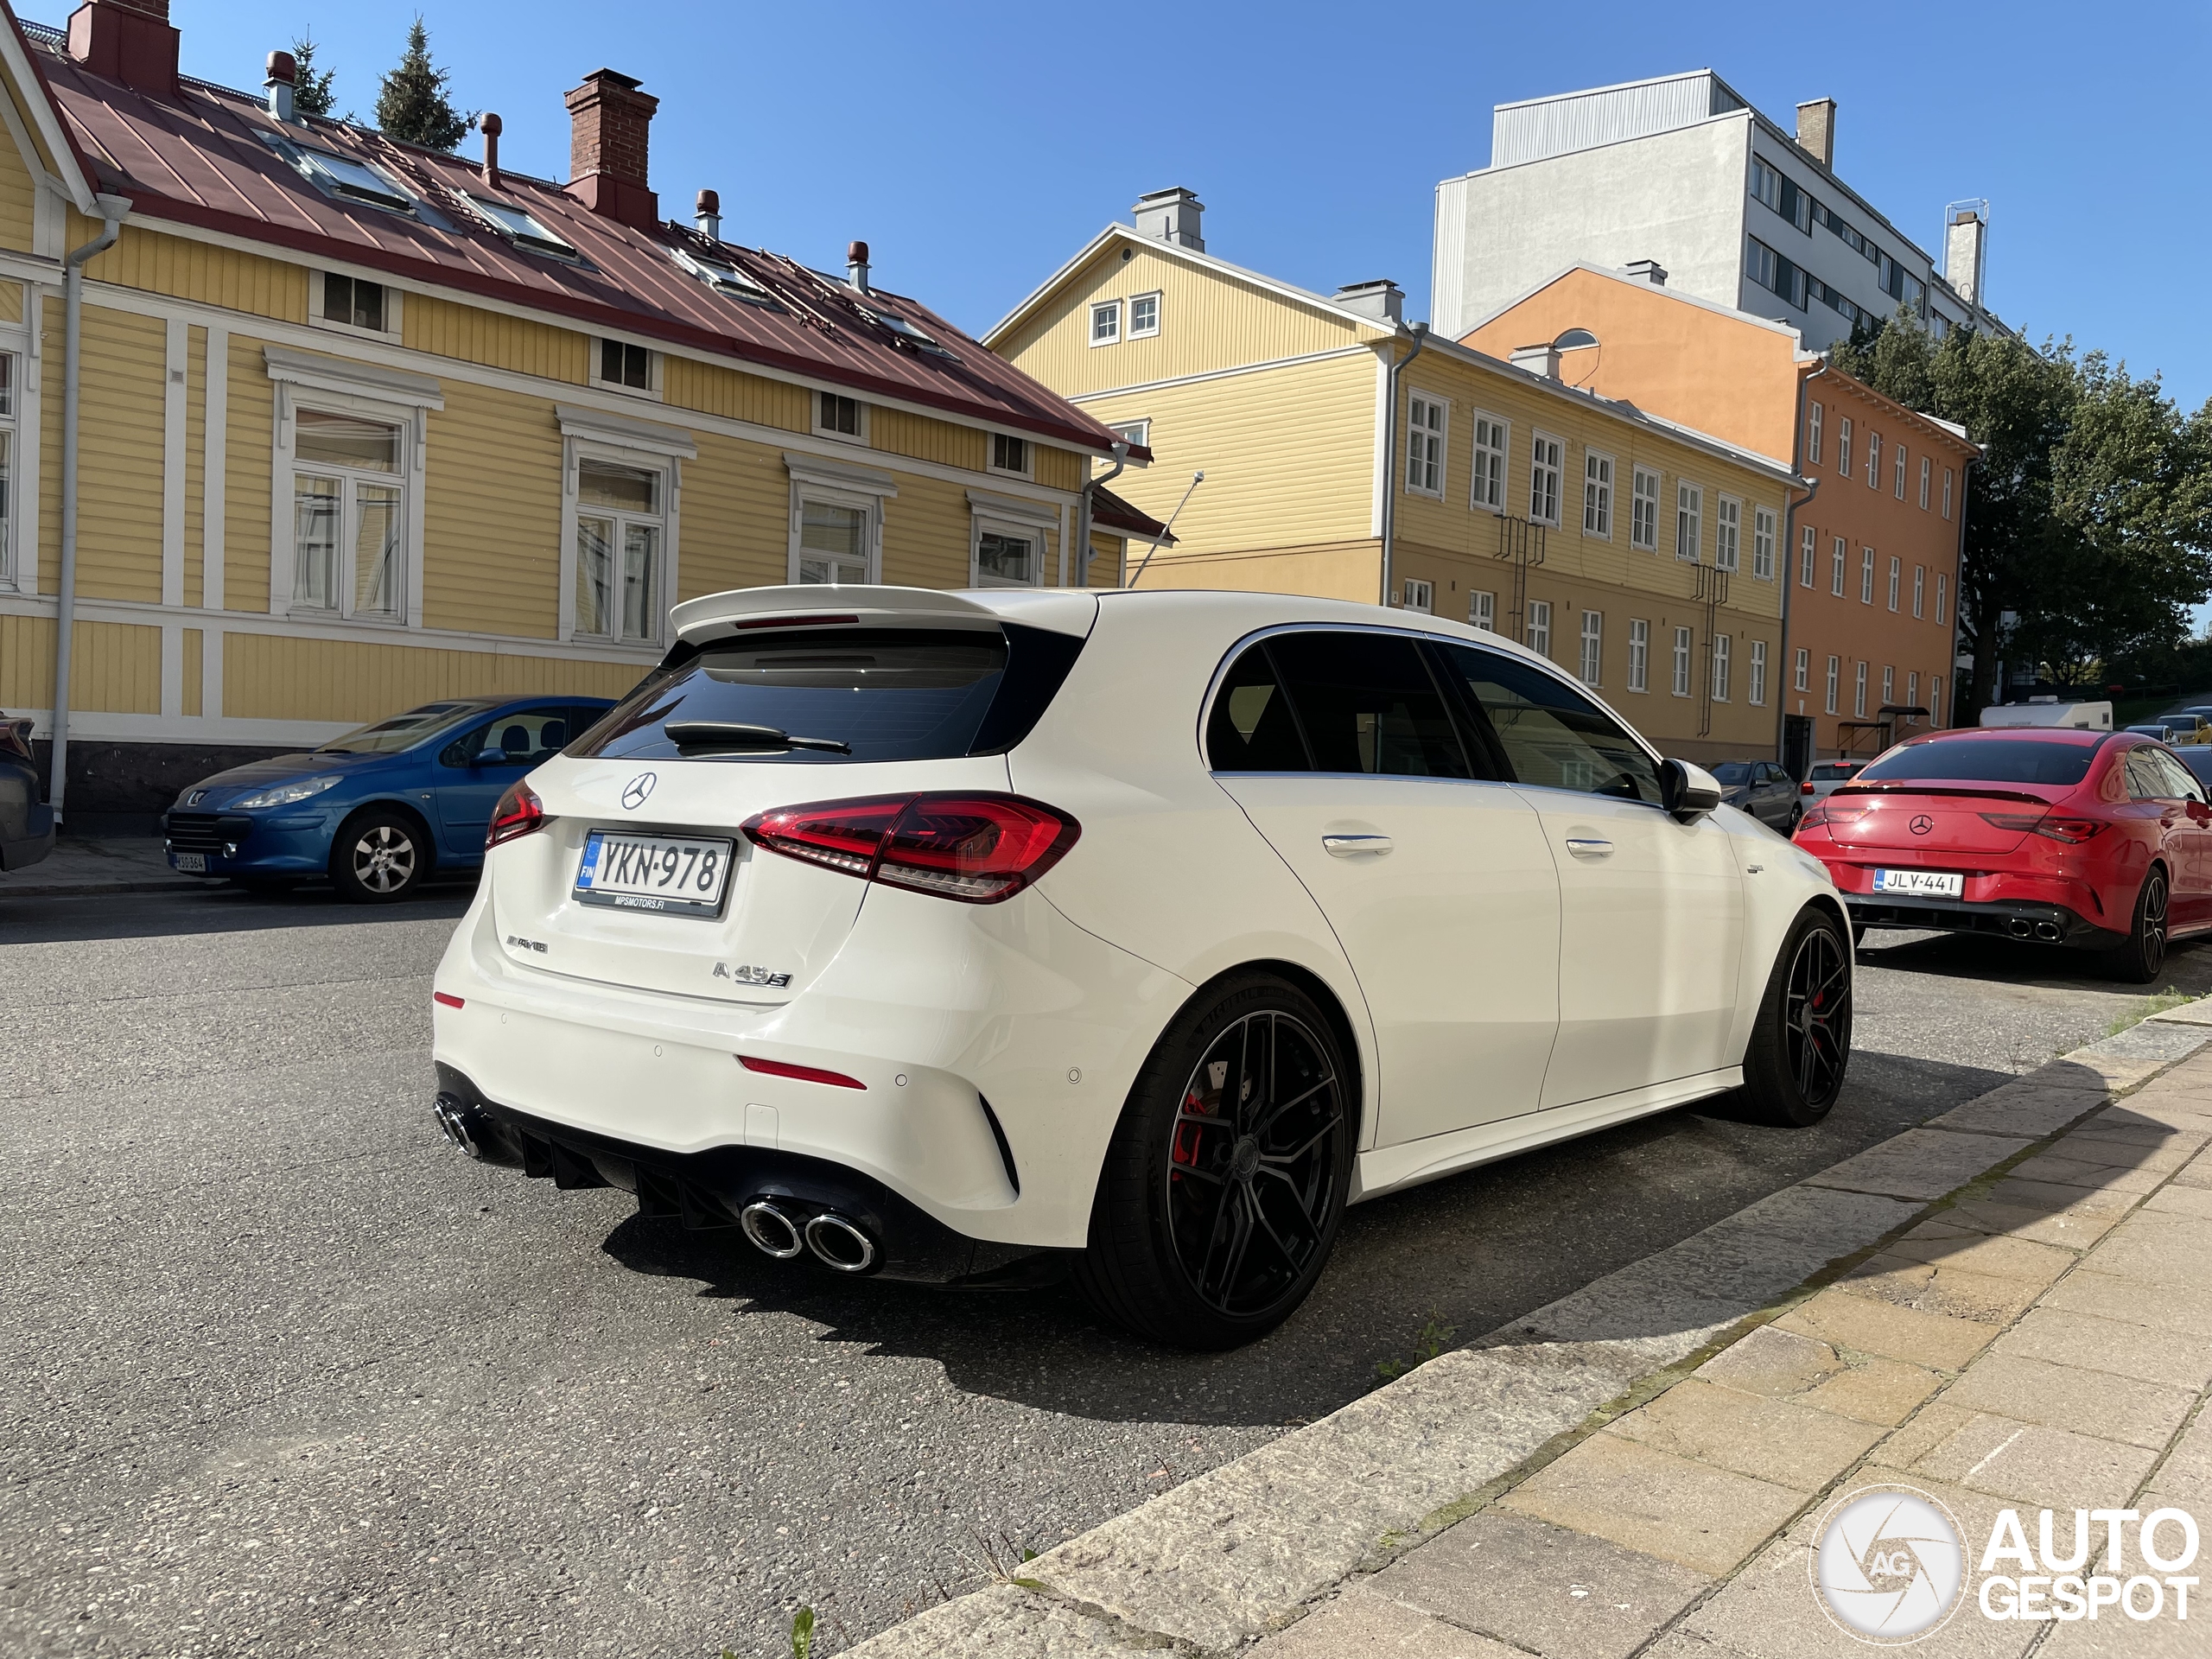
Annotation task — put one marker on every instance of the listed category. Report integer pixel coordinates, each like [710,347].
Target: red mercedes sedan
[2101,841]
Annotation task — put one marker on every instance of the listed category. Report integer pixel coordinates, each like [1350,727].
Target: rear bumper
[33,844]
[2042,924]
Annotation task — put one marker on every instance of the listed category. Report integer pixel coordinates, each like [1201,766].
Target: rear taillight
[520,811]
[2018,821]
[1805,788]
[2072,831]
[977,849]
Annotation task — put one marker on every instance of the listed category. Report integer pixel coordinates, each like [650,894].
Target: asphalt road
[282,1375]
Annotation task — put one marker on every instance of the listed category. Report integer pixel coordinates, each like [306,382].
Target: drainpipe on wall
[1083,512]
[1790,555]
[112,211]
[1419,332]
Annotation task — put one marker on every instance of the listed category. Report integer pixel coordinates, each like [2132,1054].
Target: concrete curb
[10,888]
[1241,1551]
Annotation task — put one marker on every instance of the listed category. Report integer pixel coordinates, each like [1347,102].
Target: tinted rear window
[1831,772]
[890,694]
[1986,759]
[1733,772]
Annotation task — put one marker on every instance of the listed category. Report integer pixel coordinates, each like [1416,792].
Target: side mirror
[489,758]
[1688,792]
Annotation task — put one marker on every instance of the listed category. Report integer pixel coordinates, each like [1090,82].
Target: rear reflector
[446,1000]
[978,848]
[520,811]
[804,1073]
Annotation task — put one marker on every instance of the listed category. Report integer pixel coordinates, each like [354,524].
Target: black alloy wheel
[1226,1180]
[1801,1045]
[378,856]
[2139,960]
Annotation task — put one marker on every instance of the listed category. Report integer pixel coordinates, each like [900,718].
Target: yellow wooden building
[359,425]
[1346,455]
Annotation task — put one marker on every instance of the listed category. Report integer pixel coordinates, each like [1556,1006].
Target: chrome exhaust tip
[452,1114]
[2020,928]
[770,1231]
[839,1243]
[2048,933]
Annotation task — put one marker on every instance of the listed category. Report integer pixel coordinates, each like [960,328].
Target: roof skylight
[905,333]
[344,177]
[517,225]
[724,279]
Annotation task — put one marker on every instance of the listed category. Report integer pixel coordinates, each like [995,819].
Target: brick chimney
[610,121]
[1816,131]
[129,40]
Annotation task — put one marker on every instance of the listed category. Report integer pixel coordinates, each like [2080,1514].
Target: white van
[2049,711]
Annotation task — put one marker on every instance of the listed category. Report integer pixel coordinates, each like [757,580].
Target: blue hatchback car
[377,810]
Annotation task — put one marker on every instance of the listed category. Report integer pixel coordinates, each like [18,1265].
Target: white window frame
[1028,468]
[1839,565]
[1897,579]
[1834,683]
[1537,630]
[859,439]
[1593,647]
[1859,695]
[1927,470]
[1943,596]
[13,430]
[1482,611]
[1598,494]
[1486,485]
[1689,512]
[1808,554]
[1889,687]
[1899,457]
[1722,644]
[1428,439]
[1763,530]
[1813,434]
[1874,459]
[1728,534]
[1009,516]
[655,362]
[1415,594]
[1755,683]
[838,484]
[1547,461]
[1865,575]
[1091,318]
[1802,672]
[1639,654]
[1919,591]
[393,312]
[1843,446]
[1685,648]
[598,434]
[1134,332]
[1136,434]
[1947,492]
[1935,700]
[1643,509]
[1912,695]
[372,392]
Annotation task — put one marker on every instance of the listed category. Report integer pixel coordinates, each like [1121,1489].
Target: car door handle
[1354,846]
[1587,847]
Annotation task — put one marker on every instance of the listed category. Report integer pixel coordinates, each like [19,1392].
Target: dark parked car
[26,823]
[1762,788]
[378,809]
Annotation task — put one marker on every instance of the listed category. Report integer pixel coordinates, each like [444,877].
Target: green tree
[311,93]
[413,107]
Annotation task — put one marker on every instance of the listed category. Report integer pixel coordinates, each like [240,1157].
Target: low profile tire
[1858,934]
[1796,817]
[1794,1067]
[1226,1178]
[380,856]
[2139,960]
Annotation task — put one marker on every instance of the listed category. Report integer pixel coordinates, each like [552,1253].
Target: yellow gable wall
[491,514]
[1208,319]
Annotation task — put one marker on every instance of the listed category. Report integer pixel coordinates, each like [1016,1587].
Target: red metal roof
[199,157]
[1110,511]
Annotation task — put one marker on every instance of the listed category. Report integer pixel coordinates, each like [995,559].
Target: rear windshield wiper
[738,735]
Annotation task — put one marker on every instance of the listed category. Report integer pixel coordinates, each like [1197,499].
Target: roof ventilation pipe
[1381,301]
[491,126]
[708,215]
[1171,216]
[857,265]
[1645,271]
[283,70]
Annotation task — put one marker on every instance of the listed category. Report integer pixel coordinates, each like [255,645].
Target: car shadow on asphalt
[1438,1265]
[1972,956]
[61,918]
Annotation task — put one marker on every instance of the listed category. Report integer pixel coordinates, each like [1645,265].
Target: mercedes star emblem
[1920,825]
[634,796]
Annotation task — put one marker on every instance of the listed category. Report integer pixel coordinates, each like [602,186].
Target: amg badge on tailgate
[750,975]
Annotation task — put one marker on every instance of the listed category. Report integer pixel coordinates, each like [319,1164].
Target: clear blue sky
[976,147]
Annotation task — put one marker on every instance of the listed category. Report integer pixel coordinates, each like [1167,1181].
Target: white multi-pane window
[1728,535]
[1919,589]
[1873,461]
[1897,577]
[1912,696]
[1947,492]
[1843,446]
[1935,700]
[836,538]
[1543,480]
[1643,511]
[1598,494]
[620,527]
[1805,556]
[349,516]
[1682,662]
[1639,655]
[1007,553]
[1838,551]
[1859,695]
[1898,452]
[1805,670]
[1593,645]
[1689,520]
[1865,575]
[1425,423]
[1106,322]
[1144,316]
[1482,612]
[1489,487]
[1813,434]
[1924,470]
[1418,596]
[1540,626]
[1762,544]
[1755,690]
[8,577]
[1720,644]
[1942,594]
[1889,687]
[1835,667]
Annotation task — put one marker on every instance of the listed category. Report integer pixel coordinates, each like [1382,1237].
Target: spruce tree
[413,107]
[311,93]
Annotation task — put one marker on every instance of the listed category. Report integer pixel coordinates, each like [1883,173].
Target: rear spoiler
[720,616]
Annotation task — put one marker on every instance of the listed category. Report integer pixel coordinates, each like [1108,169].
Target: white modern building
[1682,172]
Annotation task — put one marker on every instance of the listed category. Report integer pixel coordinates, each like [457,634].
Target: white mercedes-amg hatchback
[959,937]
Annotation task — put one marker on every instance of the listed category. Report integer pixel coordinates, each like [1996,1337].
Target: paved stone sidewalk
[123,864]
[2044,1339]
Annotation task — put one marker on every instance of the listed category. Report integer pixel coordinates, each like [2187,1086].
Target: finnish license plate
[190,863]
[677,875]
[1924,884]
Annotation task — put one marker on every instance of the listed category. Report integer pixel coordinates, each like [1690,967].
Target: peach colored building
[1872,552]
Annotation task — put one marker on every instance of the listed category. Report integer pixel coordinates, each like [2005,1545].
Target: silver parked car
[1762,788]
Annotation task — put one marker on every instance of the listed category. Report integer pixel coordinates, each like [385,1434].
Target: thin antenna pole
[1197,479]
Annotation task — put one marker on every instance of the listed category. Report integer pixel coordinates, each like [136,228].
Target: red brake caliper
[1186,1135]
